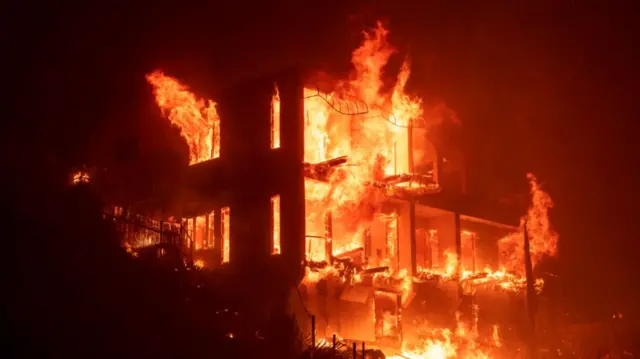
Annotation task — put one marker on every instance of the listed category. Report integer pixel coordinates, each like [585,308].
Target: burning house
[349,192]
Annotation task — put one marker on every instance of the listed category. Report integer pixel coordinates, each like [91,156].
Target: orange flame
[543,238]
[197,119]
[367,125]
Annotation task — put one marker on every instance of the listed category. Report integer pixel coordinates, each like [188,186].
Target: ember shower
[349,182]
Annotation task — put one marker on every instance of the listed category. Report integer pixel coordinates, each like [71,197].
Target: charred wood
[321,171]
[376,270]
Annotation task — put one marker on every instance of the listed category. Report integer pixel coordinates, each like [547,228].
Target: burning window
[275,224]
[427,248]
[211,230]
[275,118]
[225,219]
[201,232]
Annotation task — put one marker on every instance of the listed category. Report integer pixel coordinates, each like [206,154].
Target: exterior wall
[249,172]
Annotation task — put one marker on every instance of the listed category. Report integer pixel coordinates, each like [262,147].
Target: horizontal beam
[488,222]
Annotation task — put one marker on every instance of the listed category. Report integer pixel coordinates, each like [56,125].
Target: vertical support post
[217,235]
[531,295]
[412,235]
[362,350]
[193,236]
[355,351]
[458,253]
[328,235]
[473,252]
[313,334]
[395,158]
[399,317]
[367,244]
[410,146]
[334,346]
[205,240]
[161,228]
[181,235]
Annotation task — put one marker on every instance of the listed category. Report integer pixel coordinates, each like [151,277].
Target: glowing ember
[197,119]
[80,177]
[129,249]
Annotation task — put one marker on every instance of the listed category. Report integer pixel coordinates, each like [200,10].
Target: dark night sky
[546,88]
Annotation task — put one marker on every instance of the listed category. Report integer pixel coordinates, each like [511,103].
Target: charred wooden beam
[317,265]
[408,185]
[321,171]
[407,177]
[376,270]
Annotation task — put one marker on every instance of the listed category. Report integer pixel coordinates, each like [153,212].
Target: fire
[443,344]
[356,136]
[543,238]
[358,139]
[197,119]
[80,177]
[349,149]
[459,343]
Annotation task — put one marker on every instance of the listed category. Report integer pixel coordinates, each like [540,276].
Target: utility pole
[531,297]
